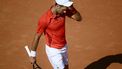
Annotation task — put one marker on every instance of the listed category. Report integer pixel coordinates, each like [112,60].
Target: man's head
[62,5]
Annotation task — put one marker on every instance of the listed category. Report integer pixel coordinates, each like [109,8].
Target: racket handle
[28,51]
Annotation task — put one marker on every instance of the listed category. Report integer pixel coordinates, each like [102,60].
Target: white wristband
[33,53]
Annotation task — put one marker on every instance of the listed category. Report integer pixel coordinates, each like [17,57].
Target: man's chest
[56,23]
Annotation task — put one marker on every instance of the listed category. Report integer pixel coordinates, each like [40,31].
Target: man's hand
[33,57]
[73,13]
[71,8]
[33,60]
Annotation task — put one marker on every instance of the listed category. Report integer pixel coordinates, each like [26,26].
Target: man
[52,24]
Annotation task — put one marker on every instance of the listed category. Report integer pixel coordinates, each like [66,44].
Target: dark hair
[56,4]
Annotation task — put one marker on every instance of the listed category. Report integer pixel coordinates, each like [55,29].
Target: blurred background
[91,41]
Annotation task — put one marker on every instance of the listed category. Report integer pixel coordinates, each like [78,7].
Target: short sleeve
[41,24]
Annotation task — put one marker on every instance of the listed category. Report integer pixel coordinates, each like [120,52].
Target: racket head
[36,66]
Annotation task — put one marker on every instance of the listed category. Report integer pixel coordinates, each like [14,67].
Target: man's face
[61,9]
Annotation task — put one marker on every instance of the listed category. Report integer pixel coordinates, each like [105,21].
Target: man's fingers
[33,60]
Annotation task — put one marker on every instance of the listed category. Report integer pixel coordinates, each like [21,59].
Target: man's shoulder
[47,13]
[45,17]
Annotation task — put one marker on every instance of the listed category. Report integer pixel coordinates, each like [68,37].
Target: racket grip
[28,51]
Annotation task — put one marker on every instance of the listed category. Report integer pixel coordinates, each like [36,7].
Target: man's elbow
[77,17]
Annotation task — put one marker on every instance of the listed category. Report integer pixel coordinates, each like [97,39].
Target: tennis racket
[35,65]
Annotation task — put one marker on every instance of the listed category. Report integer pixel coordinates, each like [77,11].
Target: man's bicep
[40,30]
[41,27]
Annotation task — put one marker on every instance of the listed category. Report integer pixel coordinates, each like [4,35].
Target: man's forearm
[35,42]
[76,16]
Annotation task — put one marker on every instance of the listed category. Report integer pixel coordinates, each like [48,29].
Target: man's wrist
[33,53]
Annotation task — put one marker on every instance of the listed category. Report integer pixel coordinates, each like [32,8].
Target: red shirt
[54,29]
